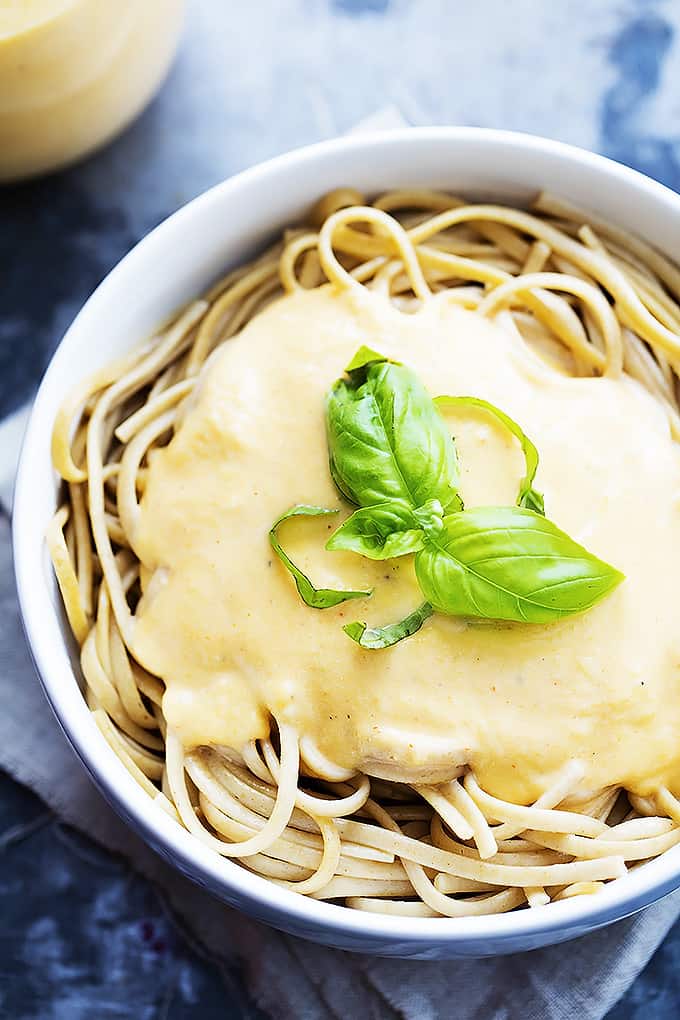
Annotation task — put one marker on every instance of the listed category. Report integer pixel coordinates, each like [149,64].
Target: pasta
[598,303]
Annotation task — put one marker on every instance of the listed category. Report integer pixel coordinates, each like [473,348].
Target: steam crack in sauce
[220,619]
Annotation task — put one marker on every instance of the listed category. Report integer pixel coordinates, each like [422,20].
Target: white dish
[172,264]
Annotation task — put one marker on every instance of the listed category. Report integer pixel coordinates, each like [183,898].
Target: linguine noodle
[597,302]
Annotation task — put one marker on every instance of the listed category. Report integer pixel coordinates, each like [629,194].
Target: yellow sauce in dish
[74,72]
[221,622]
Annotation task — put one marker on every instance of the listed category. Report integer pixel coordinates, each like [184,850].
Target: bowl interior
[174,263]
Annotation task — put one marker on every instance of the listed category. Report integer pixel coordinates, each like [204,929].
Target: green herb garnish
[391,455]
[386,530]
[383,637]
[528,496]
[317,598]
[509,563]
[386,440]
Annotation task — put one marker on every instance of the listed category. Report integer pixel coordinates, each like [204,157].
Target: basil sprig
[317,598]
[391,455]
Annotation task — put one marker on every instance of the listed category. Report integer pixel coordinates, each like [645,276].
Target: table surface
[83,936]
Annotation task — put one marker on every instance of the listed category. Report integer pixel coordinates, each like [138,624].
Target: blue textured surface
[82,937]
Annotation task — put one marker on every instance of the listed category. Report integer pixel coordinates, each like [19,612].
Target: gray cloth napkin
[290,978]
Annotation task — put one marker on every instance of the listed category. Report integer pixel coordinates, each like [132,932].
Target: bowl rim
[227,878]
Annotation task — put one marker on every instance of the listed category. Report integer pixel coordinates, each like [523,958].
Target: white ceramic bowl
[174,263]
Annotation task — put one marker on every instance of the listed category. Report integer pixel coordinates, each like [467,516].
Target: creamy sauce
[73,72]
[222,623]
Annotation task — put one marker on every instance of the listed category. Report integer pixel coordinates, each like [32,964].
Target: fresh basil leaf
[383,637]
[364,357]
[528,496]
[317,598]
[379,532]
[510,563]
[531,499]
[387,443]
[430,516]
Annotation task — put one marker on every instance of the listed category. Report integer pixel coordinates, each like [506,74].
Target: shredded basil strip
[317,598]
[528,496]
[384,637]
